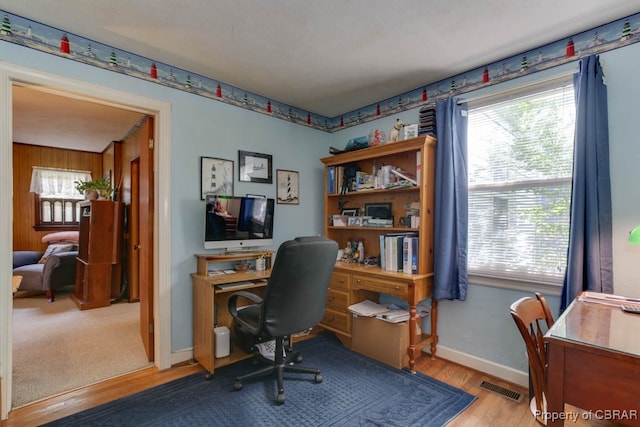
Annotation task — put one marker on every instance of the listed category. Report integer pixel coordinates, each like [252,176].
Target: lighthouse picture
[288,186]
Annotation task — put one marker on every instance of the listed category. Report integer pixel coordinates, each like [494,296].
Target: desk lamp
[634,236]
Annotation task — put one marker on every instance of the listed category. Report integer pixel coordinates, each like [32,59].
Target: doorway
[160,288]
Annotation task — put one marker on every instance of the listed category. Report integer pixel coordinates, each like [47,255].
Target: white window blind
[520,152]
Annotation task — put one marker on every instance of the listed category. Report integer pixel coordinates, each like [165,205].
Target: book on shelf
[331,180]
[393,250]
[418,165]
[340,184]
[383,263]
[410,255]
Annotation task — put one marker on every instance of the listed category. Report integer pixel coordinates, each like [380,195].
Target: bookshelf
[353,282]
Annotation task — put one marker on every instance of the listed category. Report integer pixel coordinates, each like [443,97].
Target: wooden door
[142,214]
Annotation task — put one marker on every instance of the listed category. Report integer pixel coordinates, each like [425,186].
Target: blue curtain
[451,202]
[589,263]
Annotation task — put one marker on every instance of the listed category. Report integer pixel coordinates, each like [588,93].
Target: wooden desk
[594,364]
[210,305]
[352,283]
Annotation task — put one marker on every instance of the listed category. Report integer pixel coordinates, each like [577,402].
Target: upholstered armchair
[50,270]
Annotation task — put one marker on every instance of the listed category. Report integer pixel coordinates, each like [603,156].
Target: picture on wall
[255,167]
[217,177]
[288,183]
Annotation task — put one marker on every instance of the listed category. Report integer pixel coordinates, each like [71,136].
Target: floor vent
[509,394]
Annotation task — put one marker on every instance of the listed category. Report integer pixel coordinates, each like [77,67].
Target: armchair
[294,301]
[50,270]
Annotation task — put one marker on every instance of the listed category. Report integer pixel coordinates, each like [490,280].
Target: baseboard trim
[182,356]
[499,371]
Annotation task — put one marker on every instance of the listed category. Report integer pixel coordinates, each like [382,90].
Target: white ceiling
[329,57]
[42,118]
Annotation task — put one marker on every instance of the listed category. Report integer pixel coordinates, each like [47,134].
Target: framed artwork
[378,210]
[288,183]
[255,167]
[216,177]
[351,212]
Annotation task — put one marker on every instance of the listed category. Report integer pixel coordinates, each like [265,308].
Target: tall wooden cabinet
[98,268]
[355,282]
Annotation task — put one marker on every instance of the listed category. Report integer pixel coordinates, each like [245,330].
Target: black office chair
[294,301]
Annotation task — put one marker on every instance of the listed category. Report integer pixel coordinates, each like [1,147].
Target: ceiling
[328,57]
[42,118]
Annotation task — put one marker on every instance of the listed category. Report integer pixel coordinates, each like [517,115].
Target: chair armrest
[234,298]
[21,258]
[62,262]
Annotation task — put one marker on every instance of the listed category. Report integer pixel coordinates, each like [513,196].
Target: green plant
[101,185]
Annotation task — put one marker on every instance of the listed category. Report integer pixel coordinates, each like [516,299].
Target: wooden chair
[545,307]
[533,318]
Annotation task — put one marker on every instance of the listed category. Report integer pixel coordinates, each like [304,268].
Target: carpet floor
[57,347]
[356,391]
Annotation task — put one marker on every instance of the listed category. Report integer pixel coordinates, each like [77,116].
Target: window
[520,151]
[56,198]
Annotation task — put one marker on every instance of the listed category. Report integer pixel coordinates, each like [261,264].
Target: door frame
[11,74]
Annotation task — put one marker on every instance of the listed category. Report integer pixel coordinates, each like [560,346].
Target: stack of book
[400,252]
[427,120]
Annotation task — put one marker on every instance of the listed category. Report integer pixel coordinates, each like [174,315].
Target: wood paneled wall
[24,158]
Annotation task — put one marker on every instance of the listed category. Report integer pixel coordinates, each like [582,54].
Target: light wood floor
[490,409]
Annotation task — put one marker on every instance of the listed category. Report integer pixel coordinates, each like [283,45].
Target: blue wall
[481,326]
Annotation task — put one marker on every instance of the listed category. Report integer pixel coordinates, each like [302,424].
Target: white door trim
[11,74]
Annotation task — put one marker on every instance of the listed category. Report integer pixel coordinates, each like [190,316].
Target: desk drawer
[390,287]
[338,299]
[340,281]
[337,320]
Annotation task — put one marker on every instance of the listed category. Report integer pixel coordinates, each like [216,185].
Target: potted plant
[96,188]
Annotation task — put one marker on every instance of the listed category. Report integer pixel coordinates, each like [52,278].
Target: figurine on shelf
[394,136]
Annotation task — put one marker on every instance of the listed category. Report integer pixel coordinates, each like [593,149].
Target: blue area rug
[356,391]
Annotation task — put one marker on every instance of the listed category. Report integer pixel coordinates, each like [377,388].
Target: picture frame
[288,187]
[351,212]
[354,221]
[216,177]
[378,210]
[255,167]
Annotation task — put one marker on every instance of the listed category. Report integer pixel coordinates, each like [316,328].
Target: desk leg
[413,350]
[412,338]
[434,327]
[555,385]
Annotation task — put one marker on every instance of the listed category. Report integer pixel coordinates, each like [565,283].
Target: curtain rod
[543,81]
[59,169]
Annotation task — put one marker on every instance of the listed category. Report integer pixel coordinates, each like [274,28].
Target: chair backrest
[533,318]
[296,294]
[546,309]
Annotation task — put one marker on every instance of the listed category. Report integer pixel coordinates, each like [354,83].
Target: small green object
[634,236]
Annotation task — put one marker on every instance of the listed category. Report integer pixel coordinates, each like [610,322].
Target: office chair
[529,313]
[294,301]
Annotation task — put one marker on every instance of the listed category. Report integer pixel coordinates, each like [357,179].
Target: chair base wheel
[280,399]
[318,378]
[237,386]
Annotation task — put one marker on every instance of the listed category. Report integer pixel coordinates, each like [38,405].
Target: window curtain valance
[57,182]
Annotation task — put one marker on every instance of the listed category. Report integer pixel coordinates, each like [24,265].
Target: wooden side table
[16,283]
